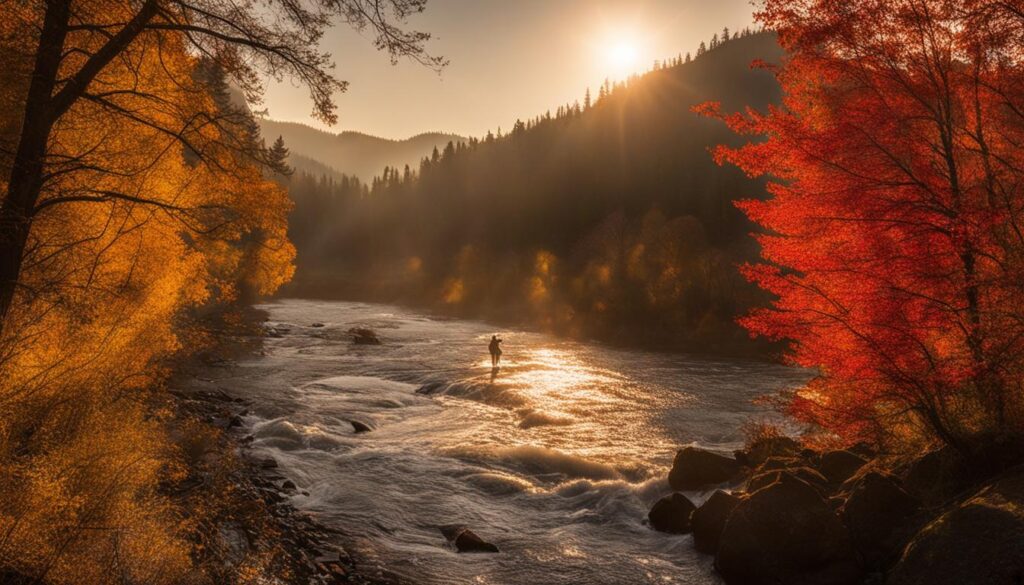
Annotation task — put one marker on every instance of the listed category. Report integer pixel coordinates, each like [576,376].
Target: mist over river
[556,460]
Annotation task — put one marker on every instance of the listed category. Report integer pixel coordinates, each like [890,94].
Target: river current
[556,459]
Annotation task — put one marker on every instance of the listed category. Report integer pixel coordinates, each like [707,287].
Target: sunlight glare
[622,57]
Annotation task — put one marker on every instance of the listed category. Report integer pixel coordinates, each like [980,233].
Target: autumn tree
[893,238]
[75,44]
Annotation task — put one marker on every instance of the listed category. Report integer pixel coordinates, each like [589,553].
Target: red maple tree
[893,237]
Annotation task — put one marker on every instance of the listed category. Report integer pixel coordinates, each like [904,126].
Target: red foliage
[893,237]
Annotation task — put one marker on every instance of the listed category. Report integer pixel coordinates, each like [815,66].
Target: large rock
[937,477]
[364,336]
[763,449]
[806,474]
[465,540]
[980,542]
[671,514]
[786,533]
[875,513]
[696,468]
[839,466]
[709,519]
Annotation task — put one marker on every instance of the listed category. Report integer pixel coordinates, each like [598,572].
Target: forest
[605,219]
[845,185]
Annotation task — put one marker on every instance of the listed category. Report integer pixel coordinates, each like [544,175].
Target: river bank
[256,535]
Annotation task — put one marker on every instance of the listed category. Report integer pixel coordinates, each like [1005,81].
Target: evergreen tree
[277,158]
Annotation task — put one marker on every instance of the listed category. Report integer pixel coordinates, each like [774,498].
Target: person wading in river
[495,348]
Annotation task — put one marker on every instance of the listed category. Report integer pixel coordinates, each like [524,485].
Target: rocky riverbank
[780,513]
[249,532]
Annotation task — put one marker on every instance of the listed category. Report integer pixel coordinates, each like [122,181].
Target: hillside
[352,153]
[605,219]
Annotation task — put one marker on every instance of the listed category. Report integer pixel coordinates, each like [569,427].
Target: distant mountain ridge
[607,219]
[351,153]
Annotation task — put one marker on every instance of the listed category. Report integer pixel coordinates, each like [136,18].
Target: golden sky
[509,59]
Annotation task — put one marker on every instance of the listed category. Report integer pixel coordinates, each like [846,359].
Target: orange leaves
[131,230]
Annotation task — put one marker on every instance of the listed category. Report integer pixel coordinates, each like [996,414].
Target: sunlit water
[556,460]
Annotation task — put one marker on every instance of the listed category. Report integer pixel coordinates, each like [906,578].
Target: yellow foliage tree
[134,190]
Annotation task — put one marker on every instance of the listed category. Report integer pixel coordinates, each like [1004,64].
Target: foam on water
[556,458]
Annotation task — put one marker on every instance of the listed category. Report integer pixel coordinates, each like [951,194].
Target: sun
[621,58]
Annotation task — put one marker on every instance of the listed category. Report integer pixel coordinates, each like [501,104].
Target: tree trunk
[26,179]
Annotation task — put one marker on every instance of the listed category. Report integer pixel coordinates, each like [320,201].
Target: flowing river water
[556,459]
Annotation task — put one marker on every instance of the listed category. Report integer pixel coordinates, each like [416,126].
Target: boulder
[776,463]
[763,449]
[465,540]
[709,519]
[696,468]
[806,474]
[864,450]
[839,466]
[874,513]
[360,427]
[786,533]
[937,477]
[977,542]
[364,336]
[672,514]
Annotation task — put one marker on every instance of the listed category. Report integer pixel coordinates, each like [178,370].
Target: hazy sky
[509,59]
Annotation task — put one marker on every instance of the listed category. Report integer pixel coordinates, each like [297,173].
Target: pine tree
[586,100]
[277,158]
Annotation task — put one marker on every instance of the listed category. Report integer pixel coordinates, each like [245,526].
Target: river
[556,460]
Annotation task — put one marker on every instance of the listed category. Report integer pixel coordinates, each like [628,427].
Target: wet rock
[234,542]
[317,325]
[839,466]
[268,463]
[360,427]
[975,543]
[874,513]
[235,422]
[364,336]
[786,533]
[696,468]
[671,514]
[465,540]
[289,486]
[708,521]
